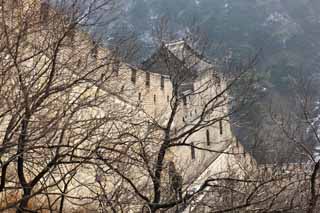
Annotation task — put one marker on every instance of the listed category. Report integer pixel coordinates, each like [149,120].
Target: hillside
[284,32]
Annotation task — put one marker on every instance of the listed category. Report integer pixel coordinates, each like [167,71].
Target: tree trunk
[25,200]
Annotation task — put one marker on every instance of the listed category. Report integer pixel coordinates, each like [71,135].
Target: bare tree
[299,125]
[81,130]
[160,171]
[52,98]
[288,182]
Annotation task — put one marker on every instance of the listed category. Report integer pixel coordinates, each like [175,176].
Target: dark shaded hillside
[287,32]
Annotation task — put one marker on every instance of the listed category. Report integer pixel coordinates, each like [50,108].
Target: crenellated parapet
[151,91]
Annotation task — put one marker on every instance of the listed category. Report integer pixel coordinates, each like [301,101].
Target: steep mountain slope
[287,32]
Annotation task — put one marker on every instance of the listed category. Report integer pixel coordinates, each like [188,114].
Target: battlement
[149,90]
[101,87]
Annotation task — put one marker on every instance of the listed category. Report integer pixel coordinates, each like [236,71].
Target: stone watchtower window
[162,82]
[116,67]
[220,127]
[193,152]
[147,79]
[44,11]
[133,75]
[154,98]
[139,96]
[94,50]
[184,99]
[15,4]
[79,63]
[208,137]
[70,35]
